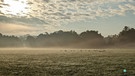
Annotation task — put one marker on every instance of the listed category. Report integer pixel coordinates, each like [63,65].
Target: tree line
[70,39]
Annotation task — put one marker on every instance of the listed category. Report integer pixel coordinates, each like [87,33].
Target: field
[67,62]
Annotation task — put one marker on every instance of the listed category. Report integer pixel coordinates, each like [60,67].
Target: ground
[67,62]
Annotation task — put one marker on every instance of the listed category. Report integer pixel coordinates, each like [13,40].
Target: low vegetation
[85,62]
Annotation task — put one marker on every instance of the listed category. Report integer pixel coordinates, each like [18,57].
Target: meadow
[66,62]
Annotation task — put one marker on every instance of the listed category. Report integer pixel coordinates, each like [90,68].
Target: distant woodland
[70,39]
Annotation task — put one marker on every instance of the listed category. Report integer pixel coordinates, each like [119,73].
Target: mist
[70,39]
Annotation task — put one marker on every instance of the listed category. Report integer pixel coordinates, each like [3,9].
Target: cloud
[12,27]
[24,25]
[62,10]
[22,20]
[16,29]
[52,13]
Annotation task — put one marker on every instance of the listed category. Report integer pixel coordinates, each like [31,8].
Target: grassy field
[84,62]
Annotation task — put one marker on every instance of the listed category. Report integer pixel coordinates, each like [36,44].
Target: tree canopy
[86,39]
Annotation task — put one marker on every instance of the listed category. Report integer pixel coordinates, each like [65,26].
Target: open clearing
[70,62]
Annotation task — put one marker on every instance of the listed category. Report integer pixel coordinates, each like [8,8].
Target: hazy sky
[20,17]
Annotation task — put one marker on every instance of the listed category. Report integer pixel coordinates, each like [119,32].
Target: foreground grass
[68,63]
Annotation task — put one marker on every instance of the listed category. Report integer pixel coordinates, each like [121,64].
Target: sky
[20,17]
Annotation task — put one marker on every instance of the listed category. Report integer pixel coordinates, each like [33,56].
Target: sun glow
[15,7]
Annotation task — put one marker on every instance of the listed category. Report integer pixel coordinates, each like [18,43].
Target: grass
[85,62]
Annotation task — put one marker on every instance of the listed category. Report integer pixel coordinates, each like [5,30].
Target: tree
[127,35]
[90,35]
[0,35]
[126,28]
[111,39]
[92,39]
[9,41]
[30,41]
